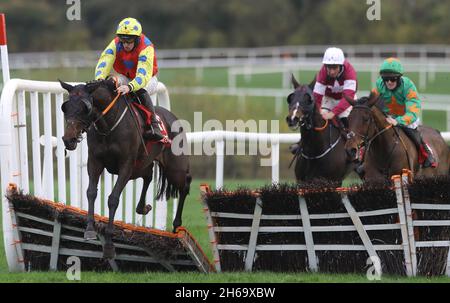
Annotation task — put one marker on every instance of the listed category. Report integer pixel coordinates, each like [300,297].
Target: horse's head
[361,126]
[79,108]
[301,106]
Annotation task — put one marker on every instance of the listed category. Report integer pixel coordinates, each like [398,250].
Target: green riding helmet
[391,66]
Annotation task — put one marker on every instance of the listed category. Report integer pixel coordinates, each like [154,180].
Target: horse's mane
[376,110]
[108,84]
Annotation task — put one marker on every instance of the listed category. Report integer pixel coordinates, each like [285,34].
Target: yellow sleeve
[106,61]
[144,69]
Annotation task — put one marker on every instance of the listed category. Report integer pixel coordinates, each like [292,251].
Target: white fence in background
[436,102]
[215,57]
[427,69]
[220,138]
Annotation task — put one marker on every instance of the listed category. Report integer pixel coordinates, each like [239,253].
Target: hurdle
[46,234]
[322,228]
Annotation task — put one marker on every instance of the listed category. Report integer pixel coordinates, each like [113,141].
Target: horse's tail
[164,186]
[170,189]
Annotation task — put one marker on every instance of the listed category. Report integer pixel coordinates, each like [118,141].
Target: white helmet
[333,56]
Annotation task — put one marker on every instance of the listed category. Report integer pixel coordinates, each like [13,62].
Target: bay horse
[322,154]
[387,149]
[115,143]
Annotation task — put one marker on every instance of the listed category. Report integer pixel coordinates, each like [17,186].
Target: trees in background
[42,25]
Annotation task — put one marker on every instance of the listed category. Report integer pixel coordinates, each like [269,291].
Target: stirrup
[153,134]
[429,163]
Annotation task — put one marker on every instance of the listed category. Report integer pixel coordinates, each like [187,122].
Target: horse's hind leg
[142,208]
[95,169]
[182,180]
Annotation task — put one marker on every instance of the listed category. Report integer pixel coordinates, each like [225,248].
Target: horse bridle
[366,140]
[306,120]
[86,123]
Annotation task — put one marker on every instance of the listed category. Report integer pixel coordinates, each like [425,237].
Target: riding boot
[421,146]
[429,161]
[152,131]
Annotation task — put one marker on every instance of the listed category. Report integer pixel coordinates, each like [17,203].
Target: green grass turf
[159,277]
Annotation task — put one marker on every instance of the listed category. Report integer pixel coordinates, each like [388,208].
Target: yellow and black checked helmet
[128,28]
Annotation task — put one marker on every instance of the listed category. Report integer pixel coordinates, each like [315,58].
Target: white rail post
[403,226]
[220,147]
[409,222]
[60,149]
[47,179]
[36,147]
[275,158]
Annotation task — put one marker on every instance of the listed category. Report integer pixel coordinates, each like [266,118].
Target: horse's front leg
[113,203]
[142,208]
[95,169]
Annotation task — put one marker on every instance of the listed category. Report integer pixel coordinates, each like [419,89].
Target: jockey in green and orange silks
[131,57]
[402,104]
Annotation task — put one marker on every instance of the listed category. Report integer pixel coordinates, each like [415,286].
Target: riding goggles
[390,78]
[127,41]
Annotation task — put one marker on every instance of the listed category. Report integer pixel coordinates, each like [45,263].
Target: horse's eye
[63,107]
[366,119]
[289,98]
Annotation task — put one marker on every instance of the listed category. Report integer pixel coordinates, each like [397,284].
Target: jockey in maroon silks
[336,78]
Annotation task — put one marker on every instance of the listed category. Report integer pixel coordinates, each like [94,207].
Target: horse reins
[331,145]
[108,108]
[319,129]
[137,126]
[105,111]
[368,142]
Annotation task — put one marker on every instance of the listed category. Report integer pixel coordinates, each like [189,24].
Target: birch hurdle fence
[283,228]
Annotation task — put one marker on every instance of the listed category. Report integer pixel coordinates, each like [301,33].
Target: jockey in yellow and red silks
[131,58]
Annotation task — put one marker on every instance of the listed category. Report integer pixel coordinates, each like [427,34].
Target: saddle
[146,115]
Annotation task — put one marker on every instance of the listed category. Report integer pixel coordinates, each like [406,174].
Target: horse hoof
[175,226]
[90,235]
[109,252]
[145,211]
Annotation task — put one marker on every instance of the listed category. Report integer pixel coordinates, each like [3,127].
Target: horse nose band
[350,135]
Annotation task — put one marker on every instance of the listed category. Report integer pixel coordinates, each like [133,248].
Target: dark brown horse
[322,153]
[114,143]
[387,149]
